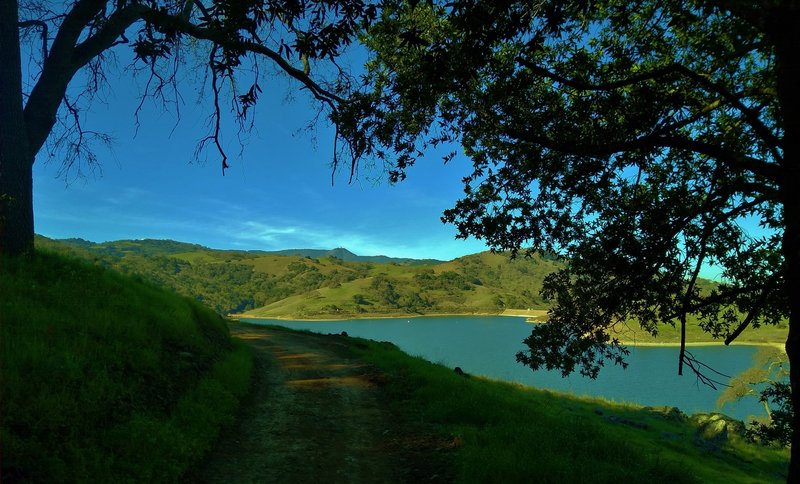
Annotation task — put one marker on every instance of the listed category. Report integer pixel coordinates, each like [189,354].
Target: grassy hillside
[266,285]
[106,378]
[499,432]
[272,285]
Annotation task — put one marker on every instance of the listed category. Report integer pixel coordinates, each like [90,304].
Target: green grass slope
[264,285]
[239,281]
[106,378]
[485,283]
[501,432]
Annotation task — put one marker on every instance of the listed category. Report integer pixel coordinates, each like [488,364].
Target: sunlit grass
[632,334]
[509,433]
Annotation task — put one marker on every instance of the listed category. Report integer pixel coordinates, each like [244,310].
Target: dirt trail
[315,415]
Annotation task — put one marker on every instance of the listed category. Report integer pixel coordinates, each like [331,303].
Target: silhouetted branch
[42,26]
[699,368]
[757,306]
[734,100]
[731,158]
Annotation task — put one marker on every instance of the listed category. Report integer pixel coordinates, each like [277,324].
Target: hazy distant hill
[323,283]
[346,255]
[118,248]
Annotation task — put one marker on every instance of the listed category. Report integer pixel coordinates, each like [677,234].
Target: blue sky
[277,195]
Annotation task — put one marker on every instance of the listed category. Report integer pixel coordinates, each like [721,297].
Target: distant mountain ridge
[171,247]
[347,256]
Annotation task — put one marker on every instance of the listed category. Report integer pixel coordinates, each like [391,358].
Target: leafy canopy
[233,45]
[639,140]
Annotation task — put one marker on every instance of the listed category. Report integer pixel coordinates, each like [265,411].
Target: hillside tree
[644,142]
[67,49]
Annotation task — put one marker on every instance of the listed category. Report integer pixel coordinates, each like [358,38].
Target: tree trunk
[791,251]
[16,161]
[793,341]
[784,33]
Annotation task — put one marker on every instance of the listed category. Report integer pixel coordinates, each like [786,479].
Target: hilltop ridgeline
[312,284]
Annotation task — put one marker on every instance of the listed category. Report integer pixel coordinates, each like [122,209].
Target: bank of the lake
[494,431]
[487,346]
[668,336]
[531,314]
[696,344]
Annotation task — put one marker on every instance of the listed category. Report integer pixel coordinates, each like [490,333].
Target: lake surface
[488,345]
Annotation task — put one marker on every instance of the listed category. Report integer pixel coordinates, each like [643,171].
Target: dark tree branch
[166,21]
[706,110]
[750,116]
[724,297]
[217,113]
[65,58]
[200,7]
[81,14]
[731,158]
[689,291]
[772,284]
[699,368]
[75,141]
[216,130]
[606,86]
[42,25]
[58,69]
[113,29]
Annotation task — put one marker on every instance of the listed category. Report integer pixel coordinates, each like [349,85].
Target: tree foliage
[766,381]
[233,41]
[69,49]
[643,142]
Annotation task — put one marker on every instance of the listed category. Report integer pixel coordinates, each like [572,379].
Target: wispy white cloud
[128,196]
[99,213]
[266,233]
[276,235]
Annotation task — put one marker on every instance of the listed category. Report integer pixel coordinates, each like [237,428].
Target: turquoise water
[488,345]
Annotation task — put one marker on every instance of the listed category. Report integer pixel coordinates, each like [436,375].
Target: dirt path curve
[314,416]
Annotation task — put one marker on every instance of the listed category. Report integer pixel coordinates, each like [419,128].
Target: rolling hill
[347,256]
[296,284]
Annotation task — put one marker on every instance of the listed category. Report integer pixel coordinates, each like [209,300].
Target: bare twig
[42,26]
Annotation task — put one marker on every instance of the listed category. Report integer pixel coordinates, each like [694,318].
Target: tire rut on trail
[315,414]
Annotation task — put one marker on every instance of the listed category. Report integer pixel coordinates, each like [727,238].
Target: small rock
[713,430]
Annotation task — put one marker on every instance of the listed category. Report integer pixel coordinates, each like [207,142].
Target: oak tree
[644,142]
[234,41]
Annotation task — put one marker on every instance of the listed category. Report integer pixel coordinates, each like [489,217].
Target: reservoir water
[487,346]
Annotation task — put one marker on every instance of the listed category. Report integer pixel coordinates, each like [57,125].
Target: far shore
[518,313]
[533,316]
[676,344]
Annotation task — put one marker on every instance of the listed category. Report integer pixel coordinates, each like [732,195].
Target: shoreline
[507,313]
[676,344]
[516,313]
